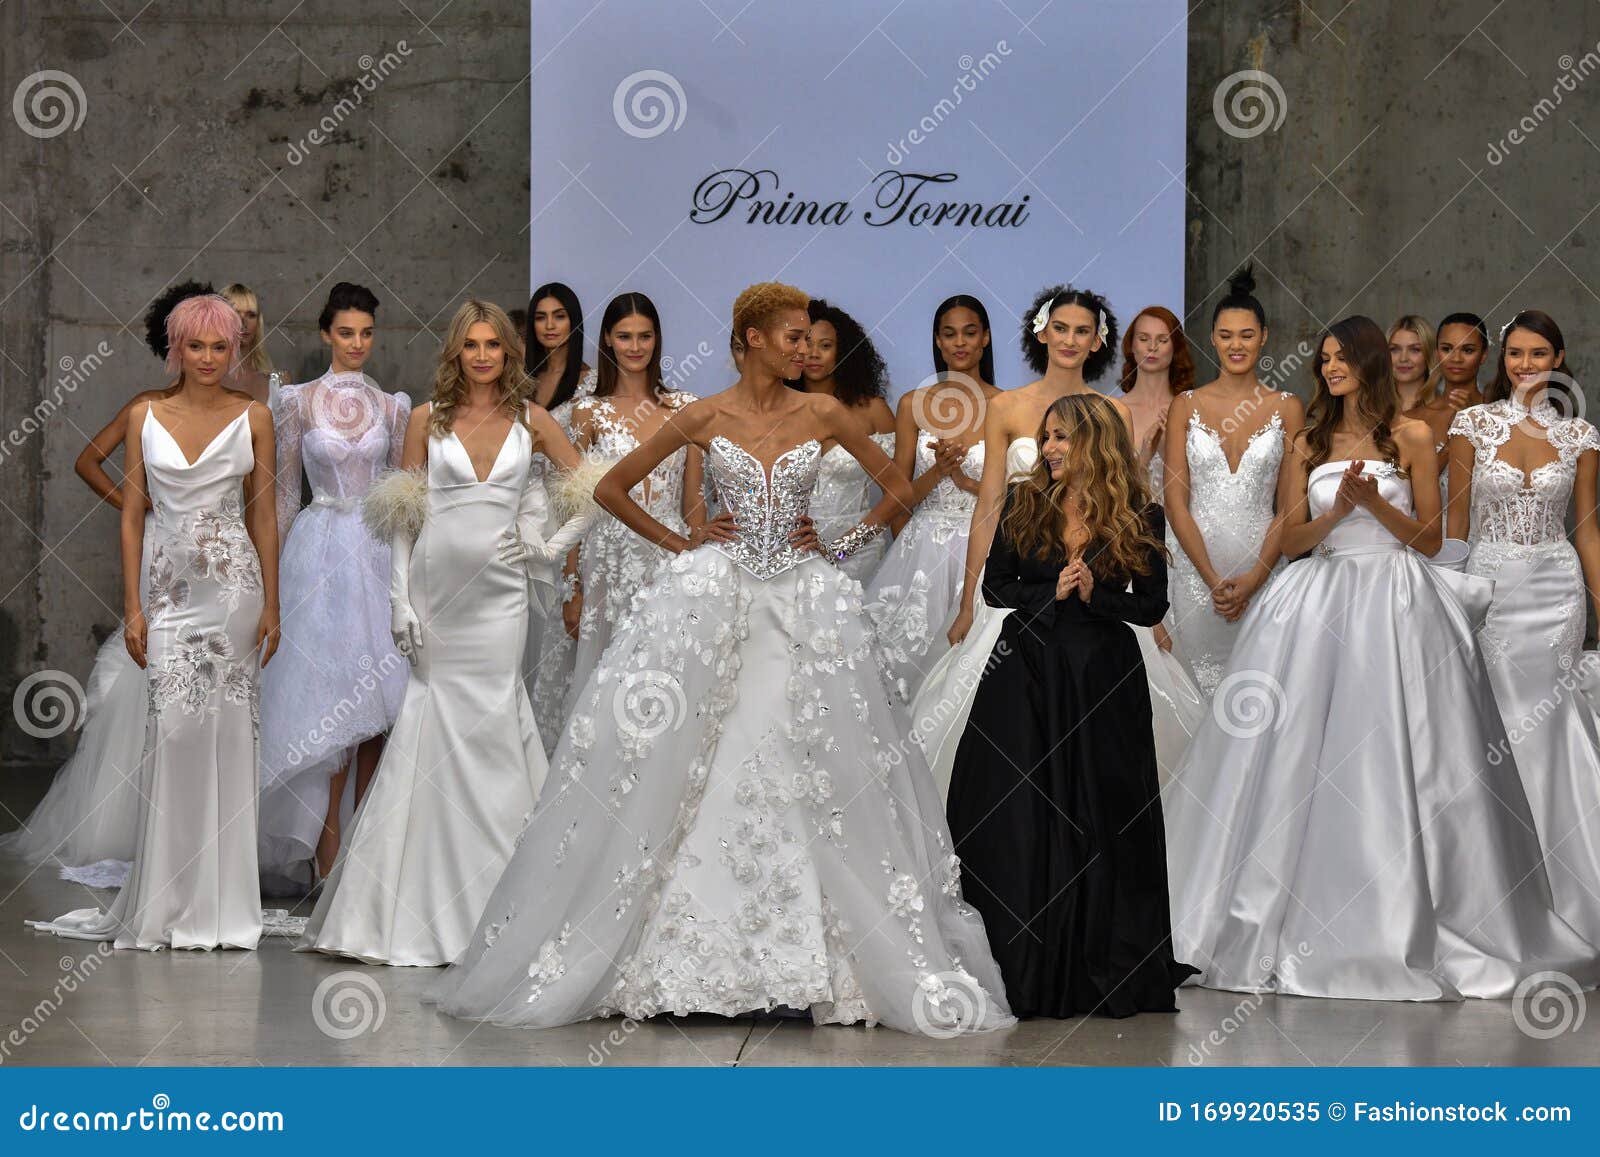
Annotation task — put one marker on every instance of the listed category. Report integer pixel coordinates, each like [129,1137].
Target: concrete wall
[194,158]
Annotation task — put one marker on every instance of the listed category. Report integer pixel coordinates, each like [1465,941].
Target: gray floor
[67,1002]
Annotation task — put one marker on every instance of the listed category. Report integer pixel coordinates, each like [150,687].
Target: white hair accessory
[1042,318]
[1103,329]
[1505,329]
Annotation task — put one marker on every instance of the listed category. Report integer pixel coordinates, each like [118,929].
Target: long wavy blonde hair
[450,384]
[256,357]
[1102,472]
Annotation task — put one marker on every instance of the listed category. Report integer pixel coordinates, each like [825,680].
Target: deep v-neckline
[498,454]
[206,449]
[767,471]
[1275,421]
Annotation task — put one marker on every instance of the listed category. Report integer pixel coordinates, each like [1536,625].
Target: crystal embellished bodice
[946,497]
[766,508]
[1509,507]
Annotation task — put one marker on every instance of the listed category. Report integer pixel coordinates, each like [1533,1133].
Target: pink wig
[194,316]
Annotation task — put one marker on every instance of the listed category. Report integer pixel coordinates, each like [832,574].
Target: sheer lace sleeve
[288,427]
[397,427]
[1478,427]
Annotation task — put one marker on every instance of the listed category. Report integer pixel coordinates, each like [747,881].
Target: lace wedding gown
[845,492]
[736,821]
[193,883]
[463,764]
[1532,638]
[1345,828]
[613,562]
[940,710]
[337,679]
[917,589]
[1232,509]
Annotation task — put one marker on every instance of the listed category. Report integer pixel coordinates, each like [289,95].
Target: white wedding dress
[337,679]
[1232,509]
[614,563]
[735,821]
[193,883]
[917,589]
[1532,637]
[1342,826]
[940,709]
[845,492]
[463,765]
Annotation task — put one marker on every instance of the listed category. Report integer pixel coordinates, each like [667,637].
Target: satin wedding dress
[1343,827]
[916,591]
[939,711]
[1533,636]
[337,679]
[1232,508]
[462,767]
[194,883]
[735,821]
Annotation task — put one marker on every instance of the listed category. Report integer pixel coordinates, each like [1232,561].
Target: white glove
[524,543]
[404,626]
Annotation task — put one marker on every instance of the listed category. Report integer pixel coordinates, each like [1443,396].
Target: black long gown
[1054,803]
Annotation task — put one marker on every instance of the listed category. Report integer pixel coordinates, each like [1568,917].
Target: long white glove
[524,544]
[404,626]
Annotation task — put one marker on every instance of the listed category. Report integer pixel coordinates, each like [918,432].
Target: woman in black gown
[1054,804]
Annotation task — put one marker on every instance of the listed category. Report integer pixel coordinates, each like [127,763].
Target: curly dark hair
[346,295]
[859,373]
[155,318]
[1037,354]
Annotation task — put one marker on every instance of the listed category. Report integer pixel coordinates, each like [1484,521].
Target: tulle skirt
[335,681]
[734,822]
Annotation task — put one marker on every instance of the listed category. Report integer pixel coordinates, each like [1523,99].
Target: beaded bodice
[766,508]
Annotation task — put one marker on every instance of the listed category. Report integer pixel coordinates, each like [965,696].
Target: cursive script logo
[897,197]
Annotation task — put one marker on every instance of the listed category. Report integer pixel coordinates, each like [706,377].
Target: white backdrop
[671,143]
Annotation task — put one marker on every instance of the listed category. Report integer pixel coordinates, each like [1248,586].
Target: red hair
[194,316]
[1180,375]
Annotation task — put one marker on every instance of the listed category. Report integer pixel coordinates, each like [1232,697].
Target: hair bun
[1243,283]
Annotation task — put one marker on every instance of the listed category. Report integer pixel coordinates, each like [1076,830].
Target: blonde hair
[256,357]
[1432,374]
[450,384]
[1104,469]
[760,303]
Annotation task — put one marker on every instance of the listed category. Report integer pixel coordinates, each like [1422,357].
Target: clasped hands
[1075,576]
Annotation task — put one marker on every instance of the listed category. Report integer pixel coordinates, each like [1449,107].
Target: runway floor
[66,1002]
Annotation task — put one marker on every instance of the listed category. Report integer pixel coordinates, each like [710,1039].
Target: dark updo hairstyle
[964,301]
[859,372]
[155,318]
[1242,295]
[537,356]
[1534,321]
[1366,349]
[347,295]
[1471,319]
[624,306]
[1037,354]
